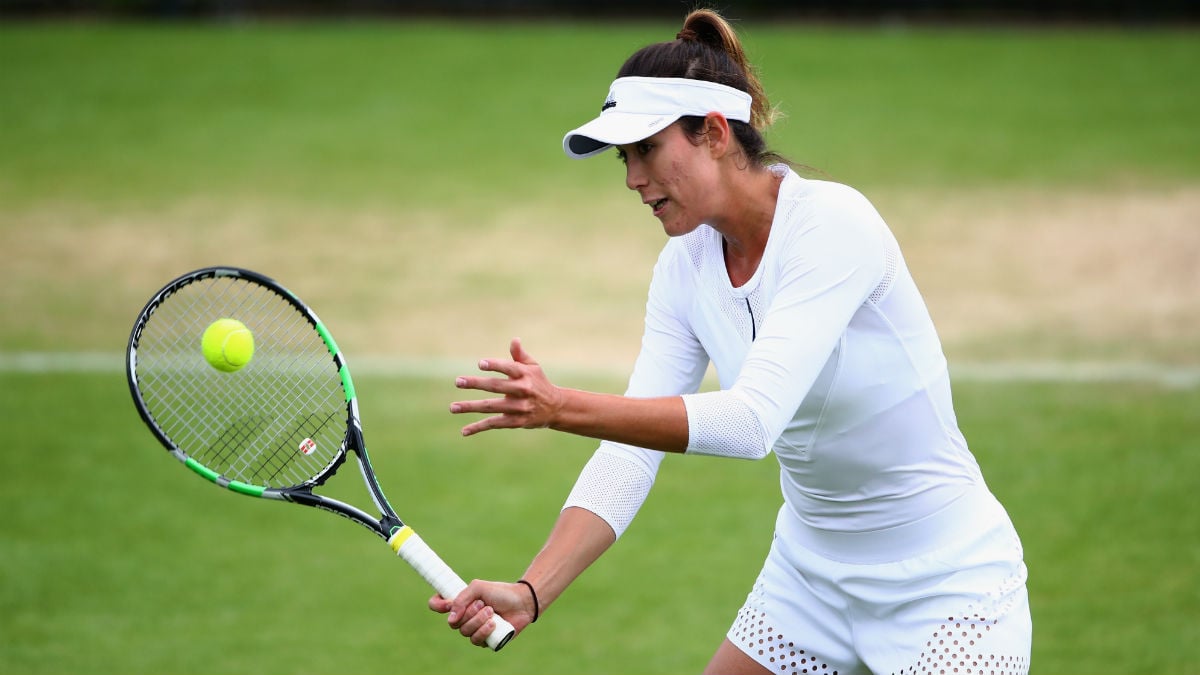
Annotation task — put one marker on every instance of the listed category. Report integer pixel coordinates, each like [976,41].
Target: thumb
[519,354]
[439,604]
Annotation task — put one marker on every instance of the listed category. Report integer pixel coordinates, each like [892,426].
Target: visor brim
[613,128]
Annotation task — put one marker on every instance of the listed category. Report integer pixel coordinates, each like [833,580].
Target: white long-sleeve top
[826,356]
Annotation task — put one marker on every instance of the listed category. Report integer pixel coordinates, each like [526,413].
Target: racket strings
[277,458]
[278,422]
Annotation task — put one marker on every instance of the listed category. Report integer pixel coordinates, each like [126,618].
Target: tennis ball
[227,345]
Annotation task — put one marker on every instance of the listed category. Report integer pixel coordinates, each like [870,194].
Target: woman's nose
[635,178]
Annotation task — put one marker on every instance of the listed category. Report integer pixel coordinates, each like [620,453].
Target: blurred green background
[406,179]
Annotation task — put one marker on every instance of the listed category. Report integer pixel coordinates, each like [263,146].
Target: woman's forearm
[651,423]
[579,537]
[528,399]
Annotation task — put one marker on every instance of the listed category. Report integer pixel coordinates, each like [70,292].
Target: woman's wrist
[533,597]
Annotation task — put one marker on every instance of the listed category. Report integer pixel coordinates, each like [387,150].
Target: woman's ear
[717,134]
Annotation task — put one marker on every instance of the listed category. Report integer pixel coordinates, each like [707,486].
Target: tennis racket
[280,426]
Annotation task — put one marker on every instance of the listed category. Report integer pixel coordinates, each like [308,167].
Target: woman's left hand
[530,400]
[472,611]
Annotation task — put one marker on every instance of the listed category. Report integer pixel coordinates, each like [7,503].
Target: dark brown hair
[707,48]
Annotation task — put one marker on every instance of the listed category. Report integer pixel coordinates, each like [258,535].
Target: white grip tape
[408,545]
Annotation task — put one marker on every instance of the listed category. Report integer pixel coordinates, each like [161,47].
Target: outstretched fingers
[528,398]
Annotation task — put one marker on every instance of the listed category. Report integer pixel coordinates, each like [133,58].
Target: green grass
[976,107]
[432,113]
[1100,483]
[118,560]
[137,151]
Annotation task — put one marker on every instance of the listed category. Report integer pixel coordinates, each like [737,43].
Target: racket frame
[404,541]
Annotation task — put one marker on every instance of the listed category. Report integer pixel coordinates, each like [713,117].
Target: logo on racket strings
[308,446]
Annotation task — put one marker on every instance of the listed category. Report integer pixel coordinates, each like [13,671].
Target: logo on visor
[609,103]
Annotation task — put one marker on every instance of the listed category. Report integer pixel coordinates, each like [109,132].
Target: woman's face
[675,177]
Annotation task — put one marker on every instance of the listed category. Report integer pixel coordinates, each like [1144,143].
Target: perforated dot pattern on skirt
[958,647]
[774,649]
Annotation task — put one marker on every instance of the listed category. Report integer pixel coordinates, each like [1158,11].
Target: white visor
[639,107]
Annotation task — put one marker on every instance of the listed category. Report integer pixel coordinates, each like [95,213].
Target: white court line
[1169,375]
[61,362]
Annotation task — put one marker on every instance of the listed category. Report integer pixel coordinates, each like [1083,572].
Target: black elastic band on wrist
[535,600]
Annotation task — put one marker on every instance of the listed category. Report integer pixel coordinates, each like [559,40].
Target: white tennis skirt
[943,595]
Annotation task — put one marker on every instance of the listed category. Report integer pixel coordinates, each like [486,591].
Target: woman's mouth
[658,205]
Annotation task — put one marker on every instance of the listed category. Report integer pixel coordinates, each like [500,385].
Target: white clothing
[945,594]
[827,356]
[888,540]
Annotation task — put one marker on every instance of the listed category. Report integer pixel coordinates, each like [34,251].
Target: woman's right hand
[471,612]
[528,398]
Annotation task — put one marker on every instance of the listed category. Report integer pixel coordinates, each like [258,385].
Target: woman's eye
[621,156]
[644,148]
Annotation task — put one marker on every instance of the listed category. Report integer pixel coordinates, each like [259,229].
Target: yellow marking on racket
[400,537]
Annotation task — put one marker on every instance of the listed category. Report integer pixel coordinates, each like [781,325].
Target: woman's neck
[747,227]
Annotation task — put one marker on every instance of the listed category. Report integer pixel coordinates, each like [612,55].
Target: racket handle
[408,545]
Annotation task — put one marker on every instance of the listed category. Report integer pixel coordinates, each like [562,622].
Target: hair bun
[687,35]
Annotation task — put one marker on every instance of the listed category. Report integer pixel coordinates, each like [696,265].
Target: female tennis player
[890,553]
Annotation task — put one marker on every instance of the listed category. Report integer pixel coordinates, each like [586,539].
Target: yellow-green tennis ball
[227,345]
